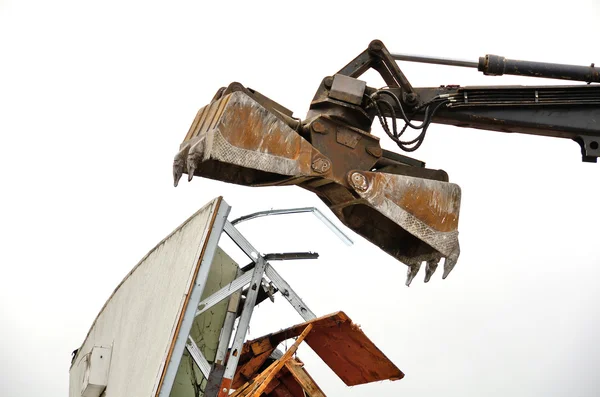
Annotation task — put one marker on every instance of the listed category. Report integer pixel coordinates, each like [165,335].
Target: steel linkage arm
[569,112]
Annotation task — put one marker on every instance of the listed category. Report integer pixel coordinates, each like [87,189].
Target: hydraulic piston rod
[434,60]
[495,65]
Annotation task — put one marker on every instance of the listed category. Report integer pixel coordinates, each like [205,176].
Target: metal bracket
[261,268]
[206,258]
[224,292]
[220,374]
[289,294]
[336,230]
[240,334]
[240,282]
[198,357]
[590,148]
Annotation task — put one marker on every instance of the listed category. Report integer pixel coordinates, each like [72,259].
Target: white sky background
[96,97]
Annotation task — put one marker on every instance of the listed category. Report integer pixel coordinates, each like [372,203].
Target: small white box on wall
[95,378]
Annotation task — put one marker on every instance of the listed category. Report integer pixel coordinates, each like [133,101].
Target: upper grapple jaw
[408,211]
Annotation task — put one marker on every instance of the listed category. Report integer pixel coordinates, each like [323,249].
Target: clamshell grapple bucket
[245,138]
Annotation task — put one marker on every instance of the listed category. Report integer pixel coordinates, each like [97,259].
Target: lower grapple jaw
[244,138]
[420,219]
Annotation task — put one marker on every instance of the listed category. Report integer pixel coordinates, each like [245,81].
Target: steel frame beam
[261,268]
[221,373]
[181,339]
[198,357]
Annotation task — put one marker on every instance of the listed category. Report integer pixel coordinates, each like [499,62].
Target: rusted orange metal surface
[427,209]
[236,140]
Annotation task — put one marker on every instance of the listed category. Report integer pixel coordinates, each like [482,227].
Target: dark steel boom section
[556,111]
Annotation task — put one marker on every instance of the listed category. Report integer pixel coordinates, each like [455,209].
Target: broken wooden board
[257,386]
[339,342]
[292,380]
[299,374]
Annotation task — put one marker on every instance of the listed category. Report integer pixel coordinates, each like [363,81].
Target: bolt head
[321,165]
[374,151]
[319,127]
[376,45]
[359,181]
[410,98]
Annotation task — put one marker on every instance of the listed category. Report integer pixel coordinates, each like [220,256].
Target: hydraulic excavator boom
[392,200]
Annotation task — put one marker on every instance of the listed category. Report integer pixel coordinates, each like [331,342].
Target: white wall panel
[139,320]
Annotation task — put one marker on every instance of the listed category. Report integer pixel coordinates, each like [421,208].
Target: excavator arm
[409,211]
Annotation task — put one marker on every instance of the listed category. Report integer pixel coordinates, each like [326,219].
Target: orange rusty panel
[339,342]
[343,346]
[248,125]
[435,203]
[207,117]
[245,140]
[351,355]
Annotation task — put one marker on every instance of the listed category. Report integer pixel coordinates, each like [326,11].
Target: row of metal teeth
[185,161]
[431,266]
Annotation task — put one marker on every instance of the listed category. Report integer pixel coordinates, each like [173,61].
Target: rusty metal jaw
[236,140]
[408,211]
[427,209]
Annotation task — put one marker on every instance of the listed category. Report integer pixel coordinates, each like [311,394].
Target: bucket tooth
[450,262]
[191,169]
[412,271]
[431,267]
[179,164]
[177,172]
